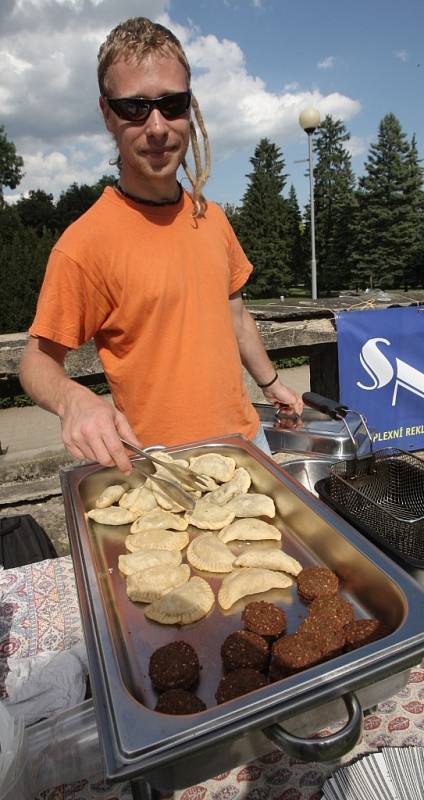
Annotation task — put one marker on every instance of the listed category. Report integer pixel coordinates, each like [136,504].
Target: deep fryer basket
[383,493]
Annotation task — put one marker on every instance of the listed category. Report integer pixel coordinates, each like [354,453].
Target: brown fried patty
[263,618]
[174,666]
[179,701]
[244,649]
[239,682]
[315,582]
[362,631]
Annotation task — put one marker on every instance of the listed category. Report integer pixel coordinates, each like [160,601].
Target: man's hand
[278,395]
[92,428]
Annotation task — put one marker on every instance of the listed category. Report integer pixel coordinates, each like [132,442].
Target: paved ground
[29,470]
[31,432]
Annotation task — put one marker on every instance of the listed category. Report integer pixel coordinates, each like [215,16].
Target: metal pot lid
[314,434]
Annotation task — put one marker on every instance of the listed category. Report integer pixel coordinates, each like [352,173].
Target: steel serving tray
[175,751]
[316,433]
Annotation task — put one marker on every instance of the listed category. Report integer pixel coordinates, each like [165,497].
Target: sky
[256,65]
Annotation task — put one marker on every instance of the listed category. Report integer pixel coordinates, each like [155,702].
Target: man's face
[151,151]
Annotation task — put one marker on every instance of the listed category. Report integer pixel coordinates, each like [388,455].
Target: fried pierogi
[154,582]
[252,505]
[158,518]
[239,484]
[110,495]
[184,605]
[208,516]
[249,529]
[220,468]
[207,553]
[142,501]
[157,539]
[268,559]
[162,498]
[112,515]
[247,581]
[144,559]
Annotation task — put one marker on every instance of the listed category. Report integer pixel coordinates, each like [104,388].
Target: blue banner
[381,372]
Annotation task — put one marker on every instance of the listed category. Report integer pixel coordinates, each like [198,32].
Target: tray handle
[326,748]
[324,404]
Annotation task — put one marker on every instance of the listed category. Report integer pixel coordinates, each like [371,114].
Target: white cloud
[402,55]
[327,63]
[48,89]
[358,145]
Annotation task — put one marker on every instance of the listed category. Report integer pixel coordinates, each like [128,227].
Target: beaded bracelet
[265,385]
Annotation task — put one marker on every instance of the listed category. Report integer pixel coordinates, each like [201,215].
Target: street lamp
[309,119]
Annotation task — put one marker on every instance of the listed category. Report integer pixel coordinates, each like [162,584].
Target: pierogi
[157,539]
[207,553]
[153,583]
[184,605]
[249,529]
[247,581]
[128,563]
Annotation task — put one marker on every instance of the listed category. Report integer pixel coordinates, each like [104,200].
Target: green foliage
[289,362]
[23,259]
[262,222]
[22,400]
[334,197]
[11,165]
[37,211]
[388,241]
[73,202]
[295,239]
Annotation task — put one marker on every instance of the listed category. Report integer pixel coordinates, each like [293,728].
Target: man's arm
[255,358]
[91,426]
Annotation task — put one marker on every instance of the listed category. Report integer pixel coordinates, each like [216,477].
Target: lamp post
[309,119]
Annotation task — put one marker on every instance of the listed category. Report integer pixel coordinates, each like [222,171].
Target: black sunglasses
[137,109]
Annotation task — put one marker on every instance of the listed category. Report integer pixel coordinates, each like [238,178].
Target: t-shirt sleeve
[240,266]
[70,308]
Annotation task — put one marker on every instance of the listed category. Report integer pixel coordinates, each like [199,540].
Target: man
[154,274]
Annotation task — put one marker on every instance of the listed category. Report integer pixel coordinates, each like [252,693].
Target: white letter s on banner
[375,364]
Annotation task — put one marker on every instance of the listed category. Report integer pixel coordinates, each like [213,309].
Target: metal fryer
[173,752]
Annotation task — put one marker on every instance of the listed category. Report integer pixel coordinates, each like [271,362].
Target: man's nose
[156,124]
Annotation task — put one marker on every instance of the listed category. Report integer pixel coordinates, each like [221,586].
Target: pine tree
[414,238]
[385,226]
[262,222]
[334,184]
[294,231]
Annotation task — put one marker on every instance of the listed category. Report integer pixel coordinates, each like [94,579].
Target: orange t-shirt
[151,285]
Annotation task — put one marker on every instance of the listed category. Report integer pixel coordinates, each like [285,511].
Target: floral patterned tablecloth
[40,613]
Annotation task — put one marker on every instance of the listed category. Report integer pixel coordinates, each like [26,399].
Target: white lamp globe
[309,119]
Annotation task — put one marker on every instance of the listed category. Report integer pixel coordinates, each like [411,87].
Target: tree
[385,231]
[294,238]
[232,212]
[37,211]
[334,204]
[414,266]
[23,259]
[11,164]
[73,202]
[262,222]
[105,180]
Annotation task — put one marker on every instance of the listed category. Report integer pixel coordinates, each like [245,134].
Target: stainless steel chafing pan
[172,752]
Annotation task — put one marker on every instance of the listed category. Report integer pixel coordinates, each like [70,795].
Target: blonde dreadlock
[139,37]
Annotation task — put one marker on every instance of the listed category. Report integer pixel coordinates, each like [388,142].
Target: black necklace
[151,202]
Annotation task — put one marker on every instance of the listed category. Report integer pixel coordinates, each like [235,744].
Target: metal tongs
[183,475]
